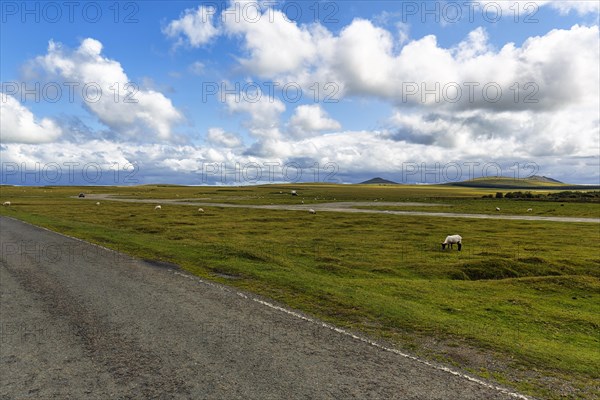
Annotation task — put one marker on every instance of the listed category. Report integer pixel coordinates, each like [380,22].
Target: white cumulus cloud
[219,137]
[19,125]
[310,119]
[367,60]
[123,106]
[264,115]
[274,44]
[195,27]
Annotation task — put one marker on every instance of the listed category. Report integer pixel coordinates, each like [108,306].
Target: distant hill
[378,181]
[533,182]
[545,179]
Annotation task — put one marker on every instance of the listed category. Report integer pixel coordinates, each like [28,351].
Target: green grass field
[520,304]
[507,207]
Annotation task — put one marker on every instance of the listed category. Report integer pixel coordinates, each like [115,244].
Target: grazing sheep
[311,211]
[302,201]
[294,193]
[157,208]
[97,203]
[529,209]
[451,240]
[201,210]
[497,208]
[6,204]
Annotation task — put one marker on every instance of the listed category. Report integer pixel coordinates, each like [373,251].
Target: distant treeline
[564,196]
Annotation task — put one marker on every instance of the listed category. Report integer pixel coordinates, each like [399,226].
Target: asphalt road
[82,322]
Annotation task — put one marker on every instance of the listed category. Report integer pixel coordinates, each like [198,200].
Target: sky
[244,92]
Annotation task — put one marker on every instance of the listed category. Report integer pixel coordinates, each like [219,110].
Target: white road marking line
[395,351]
[362,339]
[323,324]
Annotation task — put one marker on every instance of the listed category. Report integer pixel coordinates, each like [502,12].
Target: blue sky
[411,91]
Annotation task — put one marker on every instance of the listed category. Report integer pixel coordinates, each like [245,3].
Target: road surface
[83,322]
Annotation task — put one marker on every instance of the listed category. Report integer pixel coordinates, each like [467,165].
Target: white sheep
[311,211]
[97,203]
[529,209]
[294,193]
[6,204]
[157,208]
[201,210]
[497,208]
[451,240]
